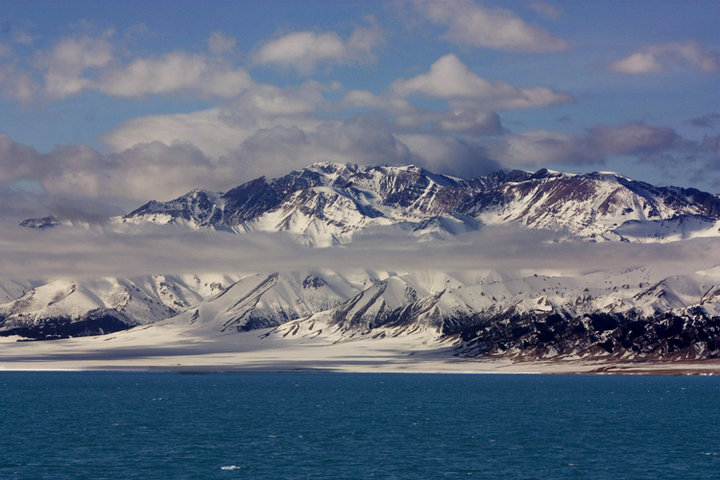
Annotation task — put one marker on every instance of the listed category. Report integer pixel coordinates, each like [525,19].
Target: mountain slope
[677,317]
[51,309]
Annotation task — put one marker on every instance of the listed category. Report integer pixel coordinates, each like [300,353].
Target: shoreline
[696,368]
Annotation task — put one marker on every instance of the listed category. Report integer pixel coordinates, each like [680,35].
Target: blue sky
[120,102]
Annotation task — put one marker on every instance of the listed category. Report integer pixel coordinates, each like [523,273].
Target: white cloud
[79,172]
[76,64]
[268,100]
[174,72]
[206,129]
[98,252]
[218,131]
[220,43]
[304,50]
[463,117]
[638,62]
[662,57]
[450,78]
[65,65]
[242,144]
[497,28]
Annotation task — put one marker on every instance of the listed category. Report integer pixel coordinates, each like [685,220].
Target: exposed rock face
[96,322]
[691,335]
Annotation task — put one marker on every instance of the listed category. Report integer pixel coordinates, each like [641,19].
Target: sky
[106,105]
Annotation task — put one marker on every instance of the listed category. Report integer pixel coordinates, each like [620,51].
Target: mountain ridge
[327,203]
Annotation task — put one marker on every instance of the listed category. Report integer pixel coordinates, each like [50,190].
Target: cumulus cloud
[219,130]
[450,78]
[64,66]
[475,25]
[252,140]
[34,184]
[304,51]
[69,176]
[662,57]
[391,103]
[172,73]
[272,101]
[463,117]
[205,129]
[80,63]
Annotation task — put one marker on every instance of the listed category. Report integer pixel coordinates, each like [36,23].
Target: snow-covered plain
[173,348]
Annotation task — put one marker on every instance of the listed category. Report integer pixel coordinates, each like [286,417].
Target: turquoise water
[357,426]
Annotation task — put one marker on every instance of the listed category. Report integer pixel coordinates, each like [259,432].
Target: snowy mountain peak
[328,202]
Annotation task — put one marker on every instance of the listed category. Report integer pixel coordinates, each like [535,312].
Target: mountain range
[328,203]
[636,312]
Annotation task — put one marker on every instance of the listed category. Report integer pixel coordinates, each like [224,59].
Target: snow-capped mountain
[327,203]
[632,312]
[61,308]
[518,313]
[499,313]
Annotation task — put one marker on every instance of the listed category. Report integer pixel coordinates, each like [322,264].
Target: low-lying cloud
[64,252]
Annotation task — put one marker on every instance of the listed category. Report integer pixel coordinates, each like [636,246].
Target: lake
[127,425]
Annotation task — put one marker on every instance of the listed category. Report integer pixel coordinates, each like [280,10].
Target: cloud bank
[94,252]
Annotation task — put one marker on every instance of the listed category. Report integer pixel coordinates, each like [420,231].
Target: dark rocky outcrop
[531,335]
[95,322]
